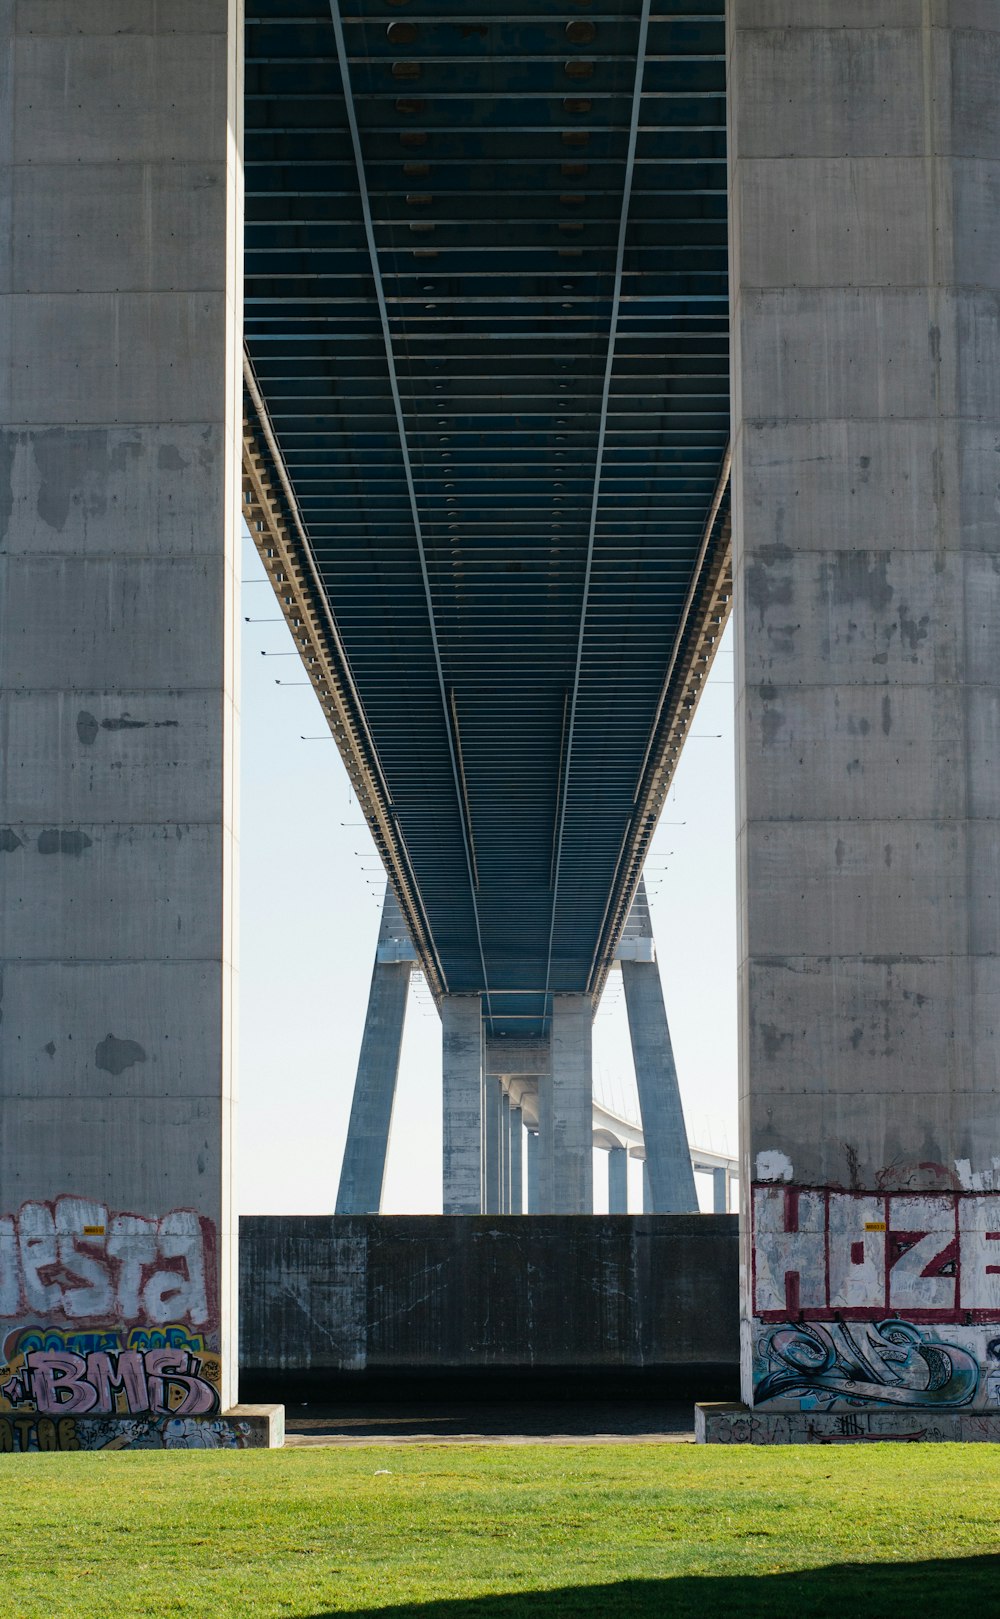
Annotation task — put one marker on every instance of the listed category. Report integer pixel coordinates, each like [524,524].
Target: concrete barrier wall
[620,1303]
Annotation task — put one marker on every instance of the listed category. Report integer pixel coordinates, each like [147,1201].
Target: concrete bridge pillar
[531,1171]
[363,1170]
[865,150]
[462,1073]
[505,1153]
[120,434]
[566,1173]
[668,1160]
[618,1180]
[492,1150]
[516,1161]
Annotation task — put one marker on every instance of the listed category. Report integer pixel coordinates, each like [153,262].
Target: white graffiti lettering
[73,1260]
[818,1253]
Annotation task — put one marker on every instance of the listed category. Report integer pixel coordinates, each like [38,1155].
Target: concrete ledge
[734,1424]
[242,1427]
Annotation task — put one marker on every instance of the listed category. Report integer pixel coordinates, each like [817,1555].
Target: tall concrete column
[516,1161]
[664,1131]
[505,1153]
[491,1146]
[120,433]
[720,1191]
[618,1180]
[566,1103]
[865,155]
[531,1171]
[462,1074]
[363,1170]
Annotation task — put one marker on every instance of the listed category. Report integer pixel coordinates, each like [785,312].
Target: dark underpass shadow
[965,1587]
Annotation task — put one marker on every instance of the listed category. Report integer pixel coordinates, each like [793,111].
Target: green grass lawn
[541,1532]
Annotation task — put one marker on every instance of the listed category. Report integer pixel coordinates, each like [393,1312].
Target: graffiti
[73,1260]
[85,1343]
[37,1433]
[164,1382]
[887,1363]
[819,1254]
[33,1433]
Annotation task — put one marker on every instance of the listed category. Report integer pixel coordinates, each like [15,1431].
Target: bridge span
[534,339]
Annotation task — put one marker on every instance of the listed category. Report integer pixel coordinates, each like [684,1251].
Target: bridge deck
[486,312]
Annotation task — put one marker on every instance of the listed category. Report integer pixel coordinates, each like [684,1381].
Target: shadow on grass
[846,1590]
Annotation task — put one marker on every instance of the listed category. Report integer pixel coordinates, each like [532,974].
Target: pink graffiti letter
[126,1377]
[166,1366]
[59,1383]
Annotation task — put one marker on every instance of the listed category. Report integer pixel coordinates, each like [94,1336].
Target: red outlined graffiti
[820,1255]
[73,1260]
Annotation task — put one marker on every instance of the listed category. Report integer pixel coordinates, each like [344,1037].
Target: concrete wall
[120,405]
[865,182]
[616,1304]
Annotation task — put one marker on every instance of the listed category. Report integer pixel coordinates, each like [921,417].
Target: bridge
[487,412]
[442,300]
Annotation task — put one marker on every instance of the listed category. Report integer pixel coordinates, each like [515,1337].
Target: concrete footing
[737,1424]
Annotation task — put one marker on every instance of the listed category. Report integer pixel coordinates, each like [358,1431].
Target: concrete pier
[866,423]
[665,1133]
[363,1170]
[120,411]
[531,1171]
[618,1180]
[492,1202]
[516,1161]
[566,1174]
[462,1072]
[720,1191]
[505,1153]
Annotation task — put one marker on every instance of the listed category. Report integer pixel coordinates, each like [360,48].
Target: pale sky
[310,902]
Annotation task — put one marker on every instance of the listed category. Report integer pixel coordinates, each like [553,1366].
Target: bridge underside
[487,418]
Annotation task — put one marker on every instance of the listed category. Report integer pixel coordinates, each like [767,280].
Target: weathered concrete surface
[368,1131]
[120,331]
[668,1160]
[516,1161]
[618,1180]
[566,1111]
[627,1302]
[865,173]
[731,1423]
[462,1100]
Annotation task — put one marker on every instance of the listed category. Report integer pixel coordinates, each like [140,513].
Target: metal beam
[640,63]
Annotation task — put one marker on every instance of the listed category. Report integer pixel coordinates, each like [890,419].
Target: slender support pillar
[491,1145]
[720,1191]
[120,432]
[532,1154]
[865,250]
[566,1180]
[505,1153]
[618,1180]
[516,1162]
[647,1193]
[667,1156]
[492,1203]
[462,1065]
[363,1170]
